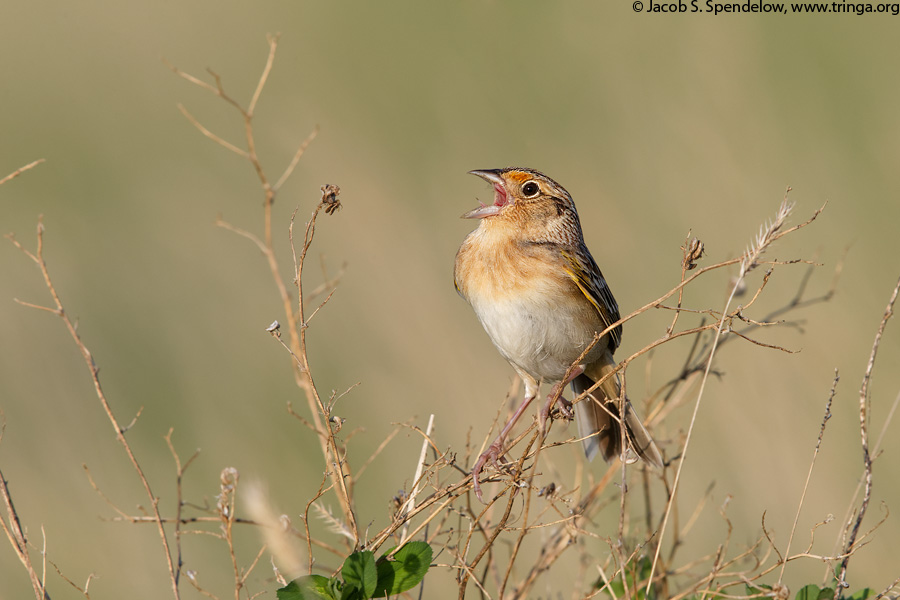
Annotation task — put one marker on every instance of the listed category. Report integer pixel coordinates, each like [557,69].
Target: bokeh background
[659,125]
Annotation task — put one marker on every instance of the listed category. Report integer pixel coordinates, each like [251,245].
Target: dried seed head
[693,251]
[767,233]
[229,478]
[330,198]
[337,421]
[228,484]
[781,591]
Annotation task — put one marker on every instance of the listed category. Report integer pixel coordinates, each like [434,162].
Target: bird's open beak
[500,197]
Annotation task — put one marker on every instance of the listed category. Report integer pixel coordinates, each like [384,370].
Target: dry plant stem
[564,536]
[87,583]
[417,479]
[339,474]
[21,170]
[767,235]
[226,509]
[859,485]
[384,443]
[17,539]
[812,464]
[321,491]
[445,496]
[38,258]
[888,589]
[685,265]
[623,497]
[864,435]
[524,517]
[674,394]
[179,478]
[44,555]
[13,528]
[500,525]
[294,318]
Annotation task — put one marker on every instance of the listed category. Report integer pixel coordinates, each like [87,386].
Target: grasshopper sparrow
[541,298]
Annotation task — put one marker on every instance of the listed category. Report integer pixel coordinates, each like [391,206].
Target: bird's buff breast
[530,308]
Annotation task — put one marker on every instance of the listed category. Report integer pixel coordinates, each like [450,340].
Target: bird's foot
[492,454]
[561,409]
[564,409]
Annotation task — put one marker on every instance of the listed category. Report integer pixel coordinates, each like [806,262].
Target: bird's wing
[583,270]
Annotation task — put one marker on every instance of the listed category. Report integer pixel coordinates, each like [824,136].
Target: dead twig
[864,436]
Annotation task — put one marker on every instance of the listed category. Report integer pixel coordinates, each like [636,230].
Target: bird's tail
[595,416]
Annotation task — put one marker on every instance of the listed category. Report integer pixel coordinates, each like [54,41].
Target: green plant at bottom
[814,592]
[362,577]
[635,577]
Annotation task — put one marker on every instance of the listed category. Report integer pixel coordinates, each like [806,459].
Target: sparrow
[542,299]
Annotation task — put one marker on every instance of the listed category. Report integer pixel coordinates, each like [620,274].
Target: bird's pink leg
[495,450]
[566,405]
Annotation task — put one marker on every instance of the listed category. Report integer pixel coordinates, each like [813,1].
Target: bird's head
[525,196]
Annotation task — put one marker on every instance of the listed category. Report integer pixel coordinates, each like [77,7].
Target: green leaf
[359,571]
[350,592]
[861,594]
[616,587]
[405,571]
[756,589]
[336,588]
[813,592]
[310,587]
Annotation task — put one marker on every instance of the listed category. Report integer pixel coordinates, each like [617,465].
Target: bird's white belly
[542,339]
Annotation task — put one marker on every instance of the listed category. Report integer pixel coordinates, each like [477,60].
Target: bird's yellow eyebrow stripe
[519,176]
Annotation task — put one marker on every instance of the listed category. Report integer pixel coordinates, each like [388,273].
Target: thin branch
[812,464]
[16,536]
[296,159]
[222,142]
[38,258]
[748,262]
[21,170]
[273,45]
[864,435]
[417,479]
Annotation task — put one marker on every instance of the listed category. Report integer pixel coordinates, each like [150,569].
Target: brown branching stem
[294,318]
[57,308]
[19,542]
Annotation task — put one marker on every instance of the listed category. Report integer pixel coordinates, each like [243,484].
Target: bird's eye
[530,189]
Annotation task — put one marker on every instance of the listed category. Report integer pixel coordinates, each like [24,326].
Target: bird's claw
[492,454]
[562,409]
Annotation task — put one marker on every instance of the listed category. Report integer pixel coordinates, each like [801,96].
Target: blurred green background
[657,125]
